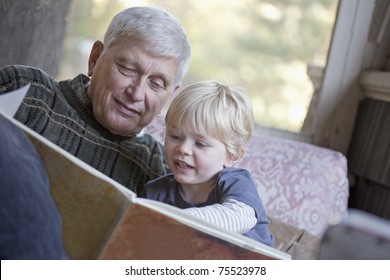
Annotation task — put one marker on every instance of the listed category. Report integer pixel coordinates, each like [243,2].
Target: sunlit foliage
[261,45]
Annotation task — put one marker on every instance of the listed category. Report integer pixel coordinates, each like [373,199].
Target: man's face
[129,86]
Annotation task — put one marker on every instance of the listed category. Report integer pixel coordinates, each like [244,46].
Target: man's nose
[137,90]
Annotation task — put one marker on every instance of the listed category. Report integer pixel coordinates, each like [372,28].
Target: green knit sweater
[62,112]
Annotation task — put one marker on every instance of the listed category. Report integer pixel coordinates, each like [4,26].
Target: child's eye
[200,144]
[174,136]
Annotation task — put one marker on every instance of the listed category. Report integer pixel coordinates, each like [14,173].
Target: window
[263,46]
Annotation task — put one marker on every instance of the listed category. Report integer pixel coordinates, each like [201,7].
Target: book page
[90,206]
[89,202]
[10,102]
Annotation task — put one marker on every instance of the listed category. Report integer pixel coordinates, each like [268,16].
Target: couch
[304,188]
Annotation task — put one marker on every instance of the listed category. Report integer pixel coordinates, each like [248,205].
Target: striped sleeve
[232,215]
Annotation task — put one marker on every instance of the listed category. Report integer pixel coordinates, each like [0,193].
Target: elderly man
[99,119]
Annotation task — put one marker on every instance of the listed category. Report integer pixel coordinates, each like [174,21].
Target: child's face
[194,159]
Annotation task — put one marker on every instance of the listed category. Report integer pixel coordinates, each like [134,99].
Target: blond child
[207,128]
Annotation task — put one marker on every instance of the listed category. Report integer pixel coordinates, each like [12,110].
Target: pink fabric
[301,184]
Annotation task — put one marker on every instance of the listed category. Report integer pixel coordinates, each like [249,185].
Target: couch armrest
[301,184]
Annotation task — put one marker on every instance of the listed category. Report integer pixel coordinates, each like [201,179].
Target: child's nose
[185,147]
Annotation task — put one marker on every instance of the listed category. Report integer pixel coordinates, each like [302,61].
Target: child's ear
[229,163]
[233,159]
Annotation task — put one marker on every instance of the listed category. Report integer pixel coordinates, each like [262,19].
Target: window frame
[340,92]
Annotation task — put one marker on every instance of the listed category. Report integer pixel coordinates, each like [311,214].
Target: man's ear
[96,52]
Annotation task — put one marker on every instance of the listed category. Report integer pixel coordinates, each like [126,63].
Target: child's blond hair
[219,110]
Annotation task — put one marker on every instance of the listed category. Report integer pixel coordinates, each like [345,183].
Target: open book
[104,220]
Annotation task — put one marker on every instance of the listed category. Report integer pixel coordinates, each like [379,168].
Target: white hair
[162,34]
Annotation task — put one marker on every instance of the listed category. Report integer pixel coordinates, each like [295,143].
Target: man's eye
[157,85]
[126,71]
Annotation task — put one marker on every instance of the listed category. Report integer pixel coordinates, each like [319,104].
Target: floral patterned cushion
[300,184]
